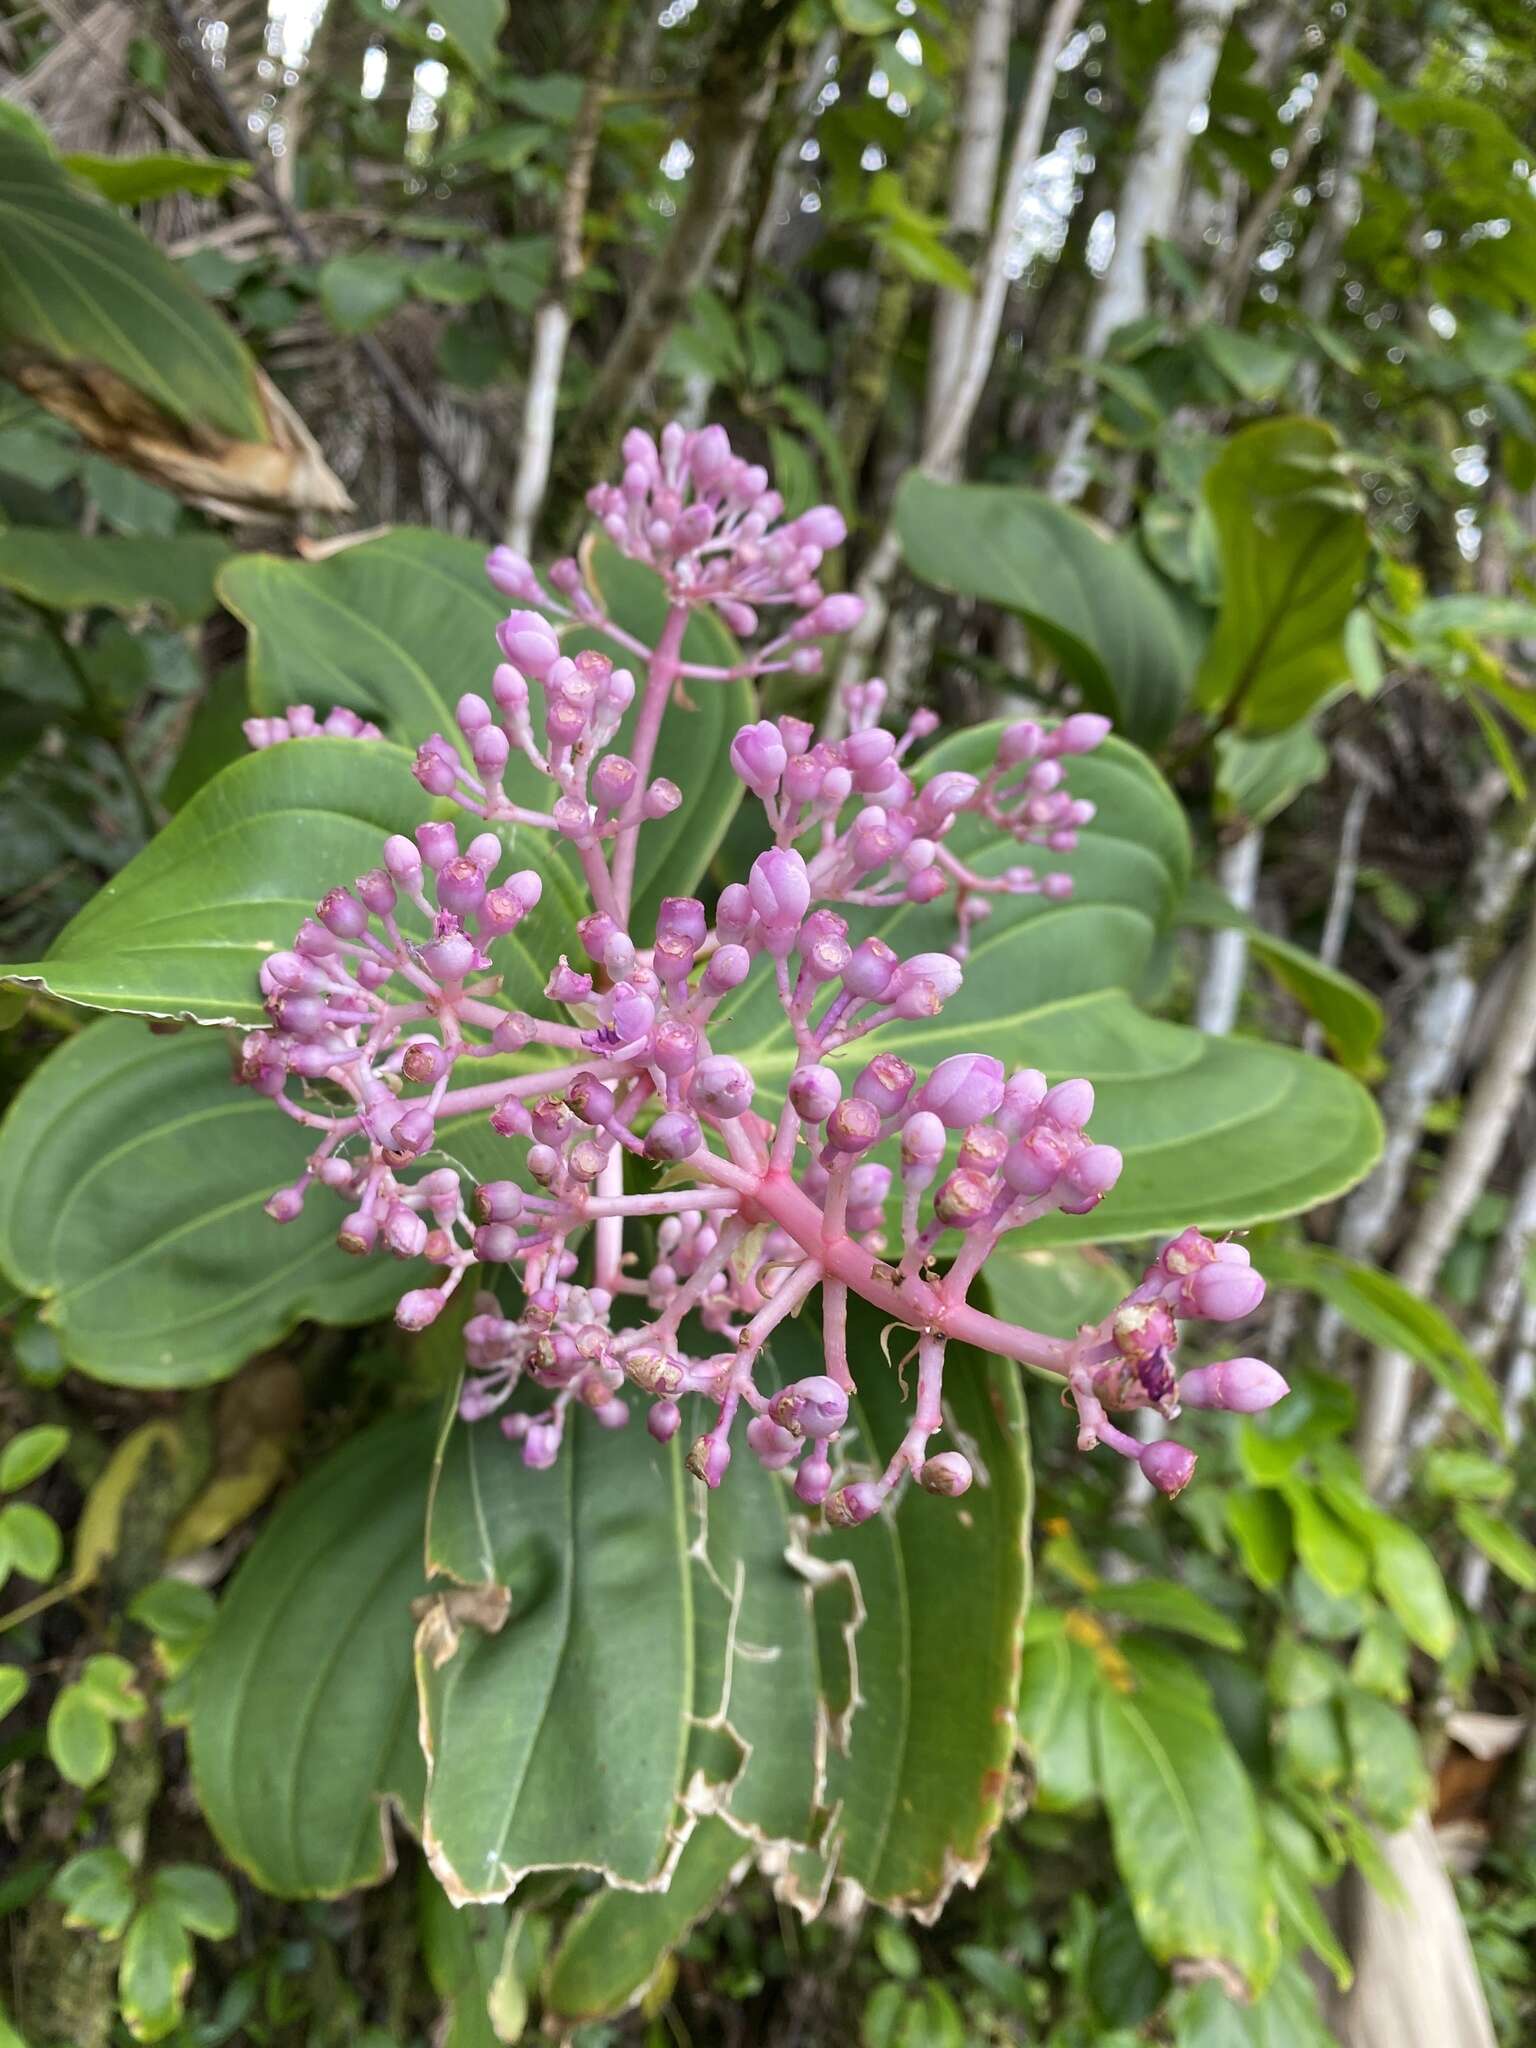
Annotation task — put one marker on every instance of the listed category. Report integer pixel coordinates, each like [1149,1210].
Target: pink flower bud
[886,1082]
[733,913]
[757,755]
[1094,1171]
[423,1305]
[342,914]
[814,1407]
[1069,1103]
[728,968]
[499,1201]
[708,1459]
[964,1200]
[438,843]
[285,1205]
[663,1420]
[529,643]
[511,573]
[1243,1386]
[923,1139]
[837,614]
[1226,1292]
[721,1087]
[507,906]
[674,1135]
[823,526]
[870,971]
[460,886]
[1080,733]
[851,1505]
[780,892]
[815,1092]
[964,1089]
[773,1447]
[948,1474]
[1167,1466]
[853,1126]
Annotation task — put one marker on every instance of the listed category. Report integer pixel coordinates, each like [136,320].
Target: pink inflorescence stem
[389,995]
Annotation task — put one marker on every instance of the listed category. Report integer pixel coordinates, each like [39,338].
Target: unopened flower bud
[813,1407]
[674,1135]
[1242,1386]
[721,1087]
[773,1447]
[851,1505]
[1167,1465]
[964,1089]
[948,1474]
[423,1305]
[815,1092]
[663,1420]
[1225,1292]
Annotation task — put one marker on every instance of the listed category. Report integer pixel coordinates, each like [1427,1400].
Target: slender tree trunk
[1519,1387]
[972,185]
[552,321]
[1226,958]
[1147,207]
[1424,1063]
[944,445]
[1230,286]
[1479,1140]
[735,94]
[1319,259]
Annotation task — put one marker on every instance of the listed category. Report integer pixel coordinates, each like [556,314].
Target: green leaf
[1186,1829]
[176,1611]
[1292,540]
[108,1682]
[449,281]
[14,1685]
[612,1949]
[132,180]
[469,1952]
[95,1889]
[155,1972]
[1403,1566]
[1350,1016]
[400,626]
[80,285]
[28,1455]
[183,929]
[1090,599]
[1261,1528]
[1382,1309]
[475,26]
[1501,1543]
[1221,1131]
[80,1738]
[1258,779]
[1058,1684]
[358,291]
[922,1784]
[1164,1604]
[1457,1475]
[594,1555]
[1053,1291]
[201,1900]
[1256,368]
[1301,1914]
[132,1178]
[1386,1762]
[68,571]
[30,1542]
[1340,1564]
[1286,2017]
[303,1719]
[867,17]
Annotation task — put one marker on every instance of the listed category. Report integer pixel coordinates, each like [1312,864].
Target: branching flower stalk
[750,1204]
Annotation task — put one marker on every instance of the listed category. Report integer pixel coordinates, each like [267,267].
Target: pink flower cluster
[645,1158]
[299,722]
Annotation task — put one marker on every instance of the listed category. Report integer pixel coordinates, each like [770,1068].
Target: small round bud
[851,1505]
[965,1089]
[1167,1466]
[423,1305]
[721,1087]
[674,1135]
[1241,1386]
[948,1474]
[815,1092]
[663,1420]
[813,1407]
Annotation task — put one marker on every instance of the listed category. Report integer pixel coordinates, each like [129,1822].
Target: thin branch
[379,360]
[1341,897]
[1226,957]
[1479,1139]
[553,320]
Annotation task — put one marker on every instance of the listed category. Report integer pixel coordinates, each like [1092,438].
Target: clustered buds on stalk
[299,722]
[392,990]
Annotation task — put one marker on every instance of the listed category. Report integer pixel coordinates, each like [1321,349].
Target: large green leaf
[1349,1014]
[183,930]
[1291,532]
[921,1784]
[1384,1310]
[402,626]
[1286,2016]
[557,1740]
[1058,1684]
[1092,600]
[303,1715]
[80,285]
[67,571]
[132,180]
[614,1946]
[132,1178]
[1223,1132]
[1186,1830]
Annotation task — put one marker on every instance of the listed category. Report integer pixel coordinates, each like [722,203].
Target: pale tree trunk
[735,94]
[778,209]
[1423,1065]
[1147,207]
[1230,286]
[552,320]
[1226,956]
[1479,1139]
[944,444]
[972,185]
[1319,259]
